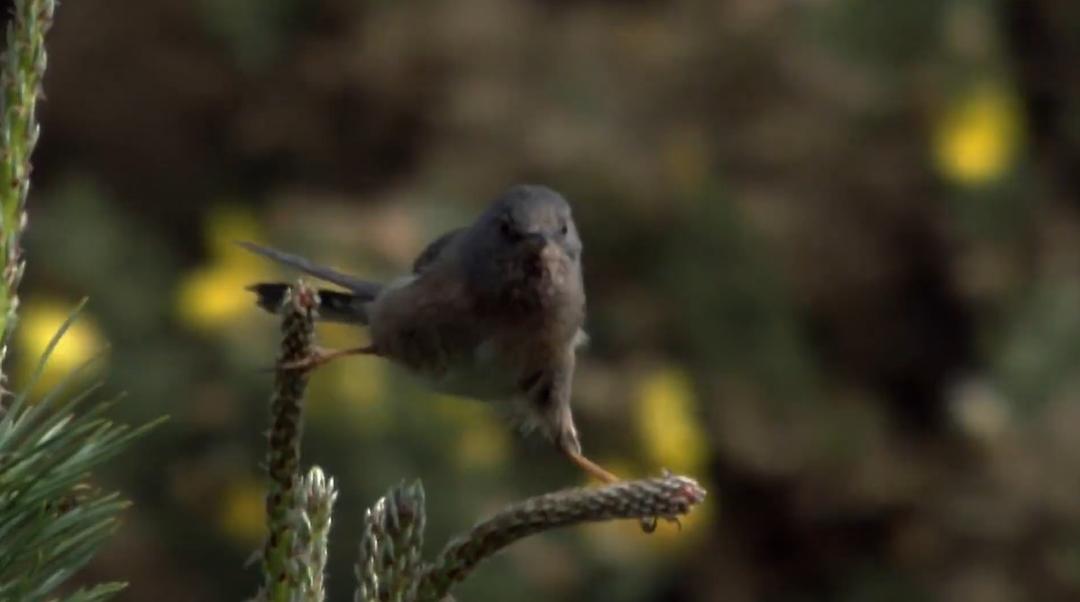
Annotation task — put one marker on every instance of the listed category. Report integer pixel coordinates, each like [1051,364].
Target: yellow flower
[977,139]
[666,422]
[673,439]
[39,322]
[212,296]
[243,511]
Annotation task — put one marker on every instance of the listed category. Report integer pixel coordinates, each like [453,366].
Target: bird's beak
[543,261]
[537,242]
[542,253]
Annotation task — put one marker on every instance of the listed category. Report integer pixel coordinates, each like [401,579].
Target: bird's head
[525,248]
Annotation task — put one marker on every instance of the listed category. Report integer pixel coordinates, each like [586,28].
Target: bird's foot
[319,357]
[648,525]
[591,468]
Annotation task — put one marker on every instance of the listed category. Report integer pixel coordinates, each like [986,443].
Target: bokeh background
[832,250]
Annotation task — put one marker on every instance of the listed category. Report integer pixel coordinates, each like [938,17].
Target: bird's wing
[362,288]
[431,253]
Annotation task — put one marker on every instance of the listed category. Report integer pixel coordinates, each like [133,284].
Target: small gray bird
[492,311]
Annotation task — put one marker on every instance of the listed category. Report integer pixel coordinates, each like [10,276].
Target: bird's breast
[484,373]
[434,328]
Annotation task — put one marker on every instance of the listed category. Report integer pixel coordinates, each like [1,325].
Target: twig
[283,556]
[20,87]
[665,497]
[319,495]
[391,546]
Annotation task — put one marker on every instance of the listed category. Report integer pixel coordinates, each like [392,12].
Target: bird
[493,311]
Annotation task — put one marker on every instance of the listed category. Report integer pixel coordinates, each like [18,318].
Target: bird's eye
[564,229]
[508,229]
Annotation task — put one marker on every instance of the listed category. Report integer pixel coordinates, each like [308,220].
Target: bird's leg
[590,467]
[320,356]
[557,397]
[648,525]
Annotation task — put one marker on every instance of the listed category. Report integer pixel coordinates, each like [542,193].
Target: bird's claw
[319,356]
[303,364]
[649,524]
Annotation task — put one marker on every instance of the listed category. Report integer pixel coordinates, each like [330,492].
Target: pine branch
[391,545]
[284,568]
[319,495]
[665,497]
[23,71]
[51,521]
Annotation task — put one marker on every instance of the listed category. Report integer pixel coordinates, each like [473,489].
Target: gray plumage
[334,306]
[363,288]
[492,311]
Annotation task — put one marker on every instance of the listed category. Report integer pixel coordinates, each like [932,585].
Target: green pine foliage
[53,518]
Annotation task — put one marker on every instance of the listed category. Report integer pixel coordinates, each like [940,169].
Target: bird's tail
[334,306]
[363,288]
